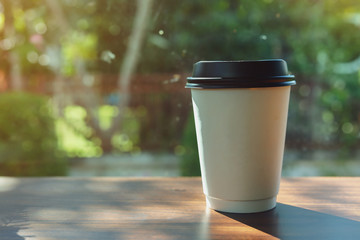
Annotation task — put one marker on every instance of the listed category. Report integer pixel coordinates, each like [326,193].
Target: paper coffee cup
[240,110]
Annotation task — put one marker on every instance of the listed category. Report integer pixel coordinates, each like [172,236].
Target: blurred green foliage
[190,165]
[73,40]
[77,140]
[318,39]
[28,142]
[74,135]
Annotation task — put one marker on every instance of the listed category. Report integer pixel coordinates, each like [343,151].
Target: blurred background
[96,88]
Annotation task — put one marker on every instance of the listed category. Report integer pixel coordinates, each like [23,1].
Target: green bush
[28,142]
[190,165]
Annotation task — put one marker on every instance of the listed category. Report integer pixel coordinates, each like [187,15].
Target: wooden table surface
[171,208]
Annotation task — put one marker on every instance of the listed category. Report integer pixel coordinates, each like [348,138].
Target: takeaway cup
[240,110]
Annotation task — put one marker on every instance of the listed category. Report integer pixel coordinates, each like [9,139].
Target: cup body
[241,134]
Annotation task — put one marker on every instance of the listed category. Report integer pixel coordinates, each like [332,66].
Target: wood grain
[171,208]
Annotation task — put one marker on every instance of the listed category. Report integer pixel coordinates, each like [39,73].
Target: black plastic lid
[240,74]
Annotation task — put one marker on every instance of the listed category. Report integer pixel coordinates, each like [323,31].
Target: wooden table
[171,208]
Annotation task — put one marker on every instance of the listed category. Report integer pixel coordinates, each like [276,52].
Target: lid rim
[236,79]
[240,85]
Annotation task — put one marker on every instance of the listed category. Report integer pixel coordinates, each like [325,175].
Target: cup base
[241,206]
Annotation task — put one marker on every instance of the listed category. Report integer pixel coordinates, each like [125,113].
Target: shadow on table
[10,232]
[10,226]
[289,222]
